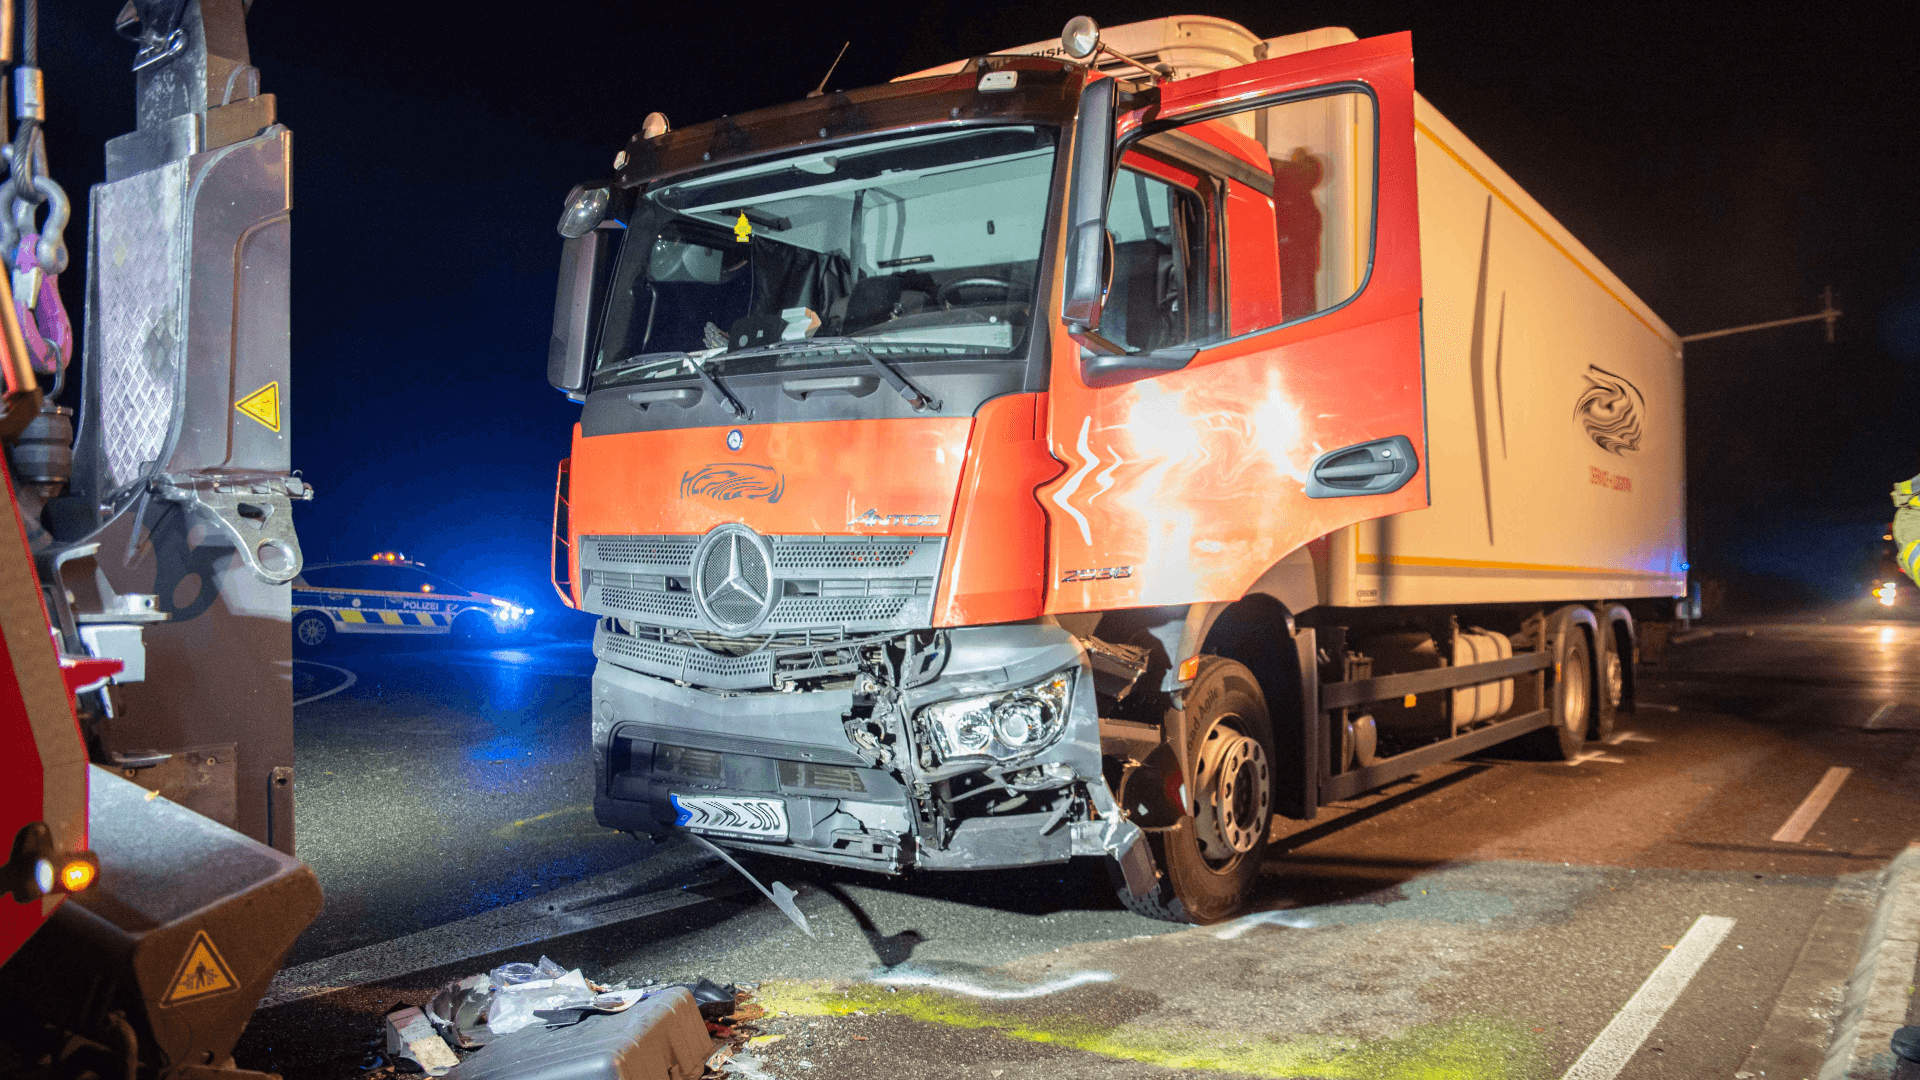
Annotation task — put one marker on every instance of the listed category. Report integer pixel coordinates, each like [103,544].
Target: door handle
[684,396]
[856,385]
[1375,467]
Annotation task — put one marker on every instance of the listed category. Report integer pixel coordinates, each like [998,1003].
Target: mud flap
[1129,849]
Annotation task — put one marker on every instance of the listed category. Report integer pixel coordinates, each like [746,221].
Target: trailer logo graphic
[726,481]
[1609,408]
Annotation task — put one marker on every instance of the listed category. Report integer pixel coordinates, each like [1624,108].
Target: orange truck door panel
[1185,487]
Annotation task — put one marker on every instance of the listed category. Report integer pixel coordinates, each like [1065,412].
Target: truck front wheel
[1209,861]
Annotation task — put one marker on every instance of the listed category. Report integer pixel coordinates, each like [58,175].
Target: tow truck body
[1032,458]
[145,700]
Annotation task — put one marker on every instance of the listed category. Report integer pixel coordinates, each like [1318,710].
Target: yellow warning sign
[202,974]
[263,405]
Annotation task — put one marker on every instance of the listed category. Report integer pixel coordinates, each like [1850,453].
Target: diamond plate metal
[141,308]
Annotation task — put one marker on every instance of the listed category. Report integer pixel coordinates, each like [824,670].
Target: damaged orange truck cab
[1040,457]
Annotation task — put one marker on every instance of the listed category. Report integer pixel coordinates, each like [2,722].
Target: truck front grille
[852,584]
[729,663]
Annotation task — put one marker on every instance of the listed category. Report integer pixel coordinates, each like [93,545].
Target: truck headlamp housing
[1005,726]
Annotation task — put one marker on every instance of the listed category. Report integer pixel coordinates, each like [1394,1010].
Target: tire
[1612,688]
[1573,704]
[311,631]
[473,628]
[1209,862]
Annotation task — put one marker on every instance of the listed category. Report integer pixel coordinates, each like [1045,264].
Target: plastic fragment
[411,1035]
[780,894]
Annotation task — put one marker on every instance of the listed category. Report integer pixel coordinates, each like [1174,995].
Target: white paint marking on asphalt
[1623,1036]
[941,982]
[1874,720]
[351,679]
[1263,918]
[1630,736]
[1815,804]
[1595,755]
[1657,705]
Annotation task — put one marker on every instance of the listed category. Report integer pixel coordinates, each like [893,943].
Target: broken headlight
[1008,725]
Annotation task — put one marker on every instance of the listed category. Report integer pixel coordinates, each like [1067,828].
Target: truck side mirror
[584,264]
[1087,187]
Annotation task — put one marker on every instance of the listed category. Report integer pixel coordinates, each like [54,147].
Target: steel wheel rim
[1616,679]
[1233,795]
[1573,696]
[312,632]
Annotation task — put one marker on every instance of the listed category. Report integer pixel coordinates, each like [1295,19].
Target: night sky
[1727,165]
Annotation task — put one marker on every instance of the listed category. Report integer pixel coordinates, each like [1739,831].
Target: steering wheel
[947,292]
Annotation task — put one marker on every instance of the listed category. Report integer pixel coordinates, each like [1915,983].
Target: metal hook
[52,249]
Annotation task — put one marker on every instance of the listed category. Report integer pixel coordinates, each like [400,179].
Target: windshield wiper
[918,398]
[711,381]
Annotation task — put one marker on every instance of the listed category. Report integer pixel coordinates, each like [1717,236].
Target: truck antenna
[822,88]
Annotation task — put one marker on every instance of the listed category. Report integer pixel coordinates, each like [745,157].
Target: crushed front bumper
[844,803]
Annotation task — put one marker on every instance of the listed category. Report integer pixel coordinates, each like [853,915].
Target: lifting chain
[35,251]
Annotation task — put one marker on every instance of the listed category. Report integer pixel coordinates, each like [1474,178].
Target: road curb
[603,900]
[1877,992]
[1794,1041]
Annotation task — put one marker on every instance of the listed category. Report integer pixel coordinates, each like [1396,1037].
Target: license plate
[734,815]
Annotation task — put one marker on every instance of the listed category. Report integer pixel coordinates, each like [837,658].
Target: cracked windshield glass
[923,245]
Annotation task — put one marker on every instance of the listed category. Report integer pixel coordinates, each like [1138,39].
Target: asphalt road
[1656,910]
[436,782]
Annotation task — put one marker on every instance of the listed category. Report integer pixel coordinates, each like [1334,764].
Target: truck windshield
[926,244]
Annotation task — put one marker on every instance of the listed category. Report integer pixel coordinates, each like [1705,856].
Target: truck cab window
[1160,293]
[1320,151]
[1291,186]
[925,244]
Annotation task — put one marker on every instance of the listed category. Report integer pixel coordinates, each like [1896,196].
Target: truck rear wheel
[1606,698]
[1572,700]
[1209,861]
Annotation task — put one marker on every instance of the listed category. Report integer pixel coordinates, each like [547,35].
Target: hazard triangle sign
[202,973]
[263,405]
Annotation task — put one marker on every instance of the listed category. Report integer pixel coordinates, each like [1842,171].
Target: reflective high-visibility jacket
[1906,525]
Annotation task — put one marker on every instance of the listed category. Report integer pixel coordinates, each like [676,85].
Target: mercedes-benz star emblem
[733,580]
[735,440]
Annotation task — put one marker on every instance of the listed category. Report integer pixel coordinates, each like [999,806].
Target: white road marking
[1263,918]
[1623,1036]
[1657,705]
[351,679]
[1630,736]
[958,986]
[1874,720]
[1815,804]
[1595,755]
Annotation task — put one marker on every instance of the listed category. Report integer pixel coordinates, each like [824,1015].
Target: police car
[388,594]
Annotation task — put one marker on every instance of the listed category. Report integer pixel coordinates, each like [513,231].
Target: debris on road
[781,895]
[541,1021]
[410,1035]
[659,1037]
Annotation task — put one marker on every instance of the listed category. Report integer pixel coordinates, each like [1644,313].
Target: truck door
[1244,374]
